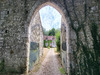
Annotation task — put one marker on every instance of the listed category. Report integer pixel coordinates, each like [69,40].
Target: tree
[58,40]
[52,32]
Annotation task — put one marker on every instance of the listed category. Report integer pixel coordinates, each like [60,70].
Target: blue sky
[50,17]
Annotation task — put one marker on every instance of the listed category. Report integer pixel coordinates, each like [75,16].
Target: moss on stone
[2,65]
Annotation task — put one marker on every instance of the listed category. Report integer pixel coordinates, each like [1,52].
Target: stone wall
[63,38]
[13,48]
[41,41]
[84,36]
[36,41]
[83,18]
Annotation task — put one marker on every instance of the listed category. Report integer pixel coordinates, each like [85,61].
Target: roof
[49,38]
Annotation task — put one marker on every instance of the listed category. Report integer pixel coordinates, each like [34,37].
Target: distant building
[49,41]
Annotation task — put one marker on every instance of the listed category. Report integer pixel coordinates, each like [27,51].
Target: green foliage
[62,71]
[52,32]
[48,41]
[48,47]
[2,65]
[45,42]
[58,40]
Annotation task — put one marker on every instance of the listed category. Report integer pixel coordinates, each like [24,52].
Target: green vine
[87,60]
[2,65]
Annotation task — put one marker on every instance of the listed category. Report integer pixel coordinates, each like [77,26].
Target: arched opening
[80,38]
[36,35]
[51,23]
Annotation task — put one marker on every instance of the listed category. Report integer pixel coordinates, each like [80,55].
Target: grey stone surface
[83,31]
[36,41]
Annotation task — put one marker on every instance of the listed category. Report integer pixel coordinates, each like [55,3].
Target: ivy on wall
[2,64]
[48,41]
[87,60]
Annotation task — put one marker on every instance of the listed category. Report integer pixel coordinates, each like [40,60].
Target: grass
[48,47]
[56,50]
[62,71]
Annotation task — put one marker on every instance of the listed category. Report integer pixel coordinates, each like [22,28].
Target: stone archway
[82,17]
[81,32]
[63,21]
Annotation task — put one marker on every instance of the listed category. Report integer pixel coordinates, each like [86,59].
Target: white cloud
[50,17]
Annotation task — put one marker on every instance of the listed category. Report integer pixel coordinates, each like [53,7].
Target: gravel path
[50,65]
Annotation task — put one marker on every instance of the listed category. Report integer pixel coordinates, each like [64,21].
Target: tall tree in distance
[52,32]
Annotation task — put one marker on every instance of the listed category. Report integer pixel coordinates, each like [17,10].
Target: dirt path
[50,65]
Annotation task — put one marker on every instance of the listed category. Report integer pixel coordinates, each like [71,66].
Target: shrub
[58,40]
